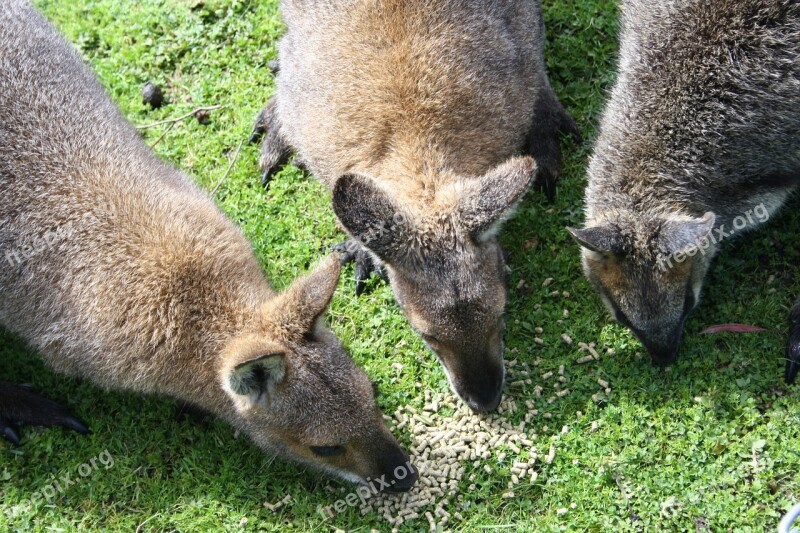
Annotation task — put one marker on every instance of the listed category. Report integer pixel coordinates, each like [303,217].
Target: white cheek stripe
[446,372]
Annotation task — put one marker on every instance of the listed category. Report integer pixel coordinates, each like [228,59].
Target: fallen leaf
[732,328]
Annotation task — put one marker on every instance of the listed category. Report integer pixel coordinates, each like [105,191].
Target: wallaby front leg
[275,151]
[550,121]
[352,250]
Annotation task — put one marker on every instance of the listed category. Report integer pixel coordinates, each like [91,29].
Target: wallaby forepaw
[793,350]
[352,250]
[9,431]
[570,127]
[256,134]
[545,150]
[20,405]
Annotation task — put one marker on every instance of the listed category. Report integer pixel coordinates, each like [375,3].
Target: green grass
[711,443]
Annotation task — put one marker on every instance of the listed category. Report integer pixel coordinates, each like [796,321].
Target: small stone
[152,95]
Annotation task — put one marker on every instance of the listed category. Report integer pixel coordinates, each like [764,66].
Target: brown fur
[143,285]
[418,108]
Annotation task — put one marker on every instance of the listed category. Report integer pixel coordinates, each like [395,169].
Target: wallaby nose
[483,403]
[403,478]
[484,393]
[397,472]
[663,354]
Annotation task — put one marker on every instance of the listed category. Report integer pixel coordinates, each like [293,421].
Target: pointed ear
[489,200]
[369,214]
[296,310]
[681,235]
[600,239]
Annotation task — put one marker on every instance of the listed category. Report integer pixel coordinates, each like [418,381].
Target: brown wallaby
[700,141]
[118,269]
[412,112]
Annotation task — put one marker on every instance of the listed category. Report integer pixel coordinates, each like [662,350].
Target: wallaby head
[445,265]
[297,392]
[649,272]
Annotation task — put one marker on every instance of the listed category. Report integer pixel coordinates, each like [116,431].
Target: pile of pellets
[444,447]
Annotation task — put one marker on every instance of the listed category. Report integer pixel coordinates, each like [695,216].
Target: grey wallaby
[700,141]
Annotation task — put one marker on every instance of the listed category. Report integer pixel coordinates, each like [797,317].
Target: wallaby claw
[352,250]
[9,431]
[568,126]
[20,405]
[793,350]
[266,177]
[543,142]
[256,134]
[546,182]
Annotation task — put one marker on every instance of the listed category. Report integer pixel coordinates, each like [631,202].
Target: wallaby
[118,269]
[412,112]
[700,141]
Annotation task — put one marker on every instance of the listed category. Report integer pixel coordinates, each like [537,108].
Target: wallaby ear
[295,311]
[254,380]
[681,235]
[600,239]
[370,215]
[250,369]
[489,200]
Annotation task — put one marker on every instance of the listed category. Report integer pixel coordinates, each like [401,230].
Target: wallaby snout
[397,472]
[663,353]
[484,391]
[476,377]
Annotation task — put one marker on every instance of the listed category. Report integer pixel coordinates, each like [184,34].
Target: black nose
[663,354]
[477,378]
[403,478]
[483,392]
[483,403]
[398,474]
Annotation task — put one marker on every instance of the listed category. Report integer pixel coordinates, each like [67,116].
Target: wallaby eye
[327,451]
[430,339]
